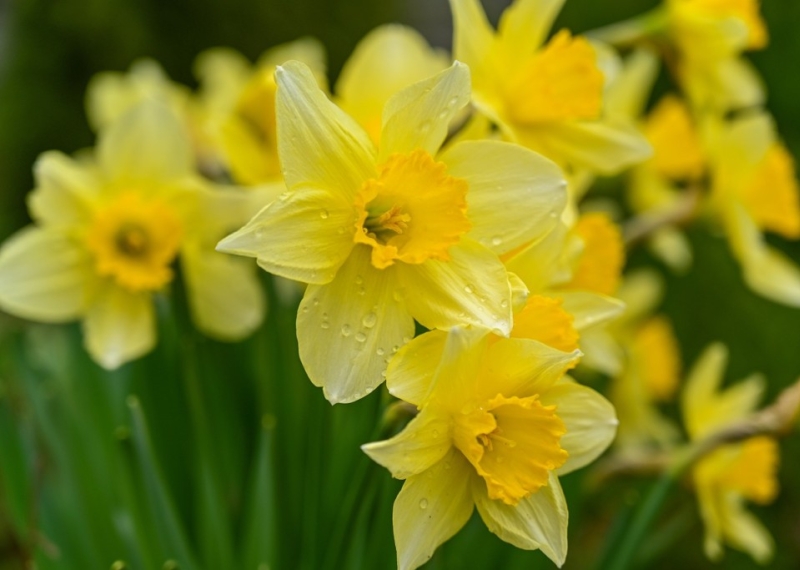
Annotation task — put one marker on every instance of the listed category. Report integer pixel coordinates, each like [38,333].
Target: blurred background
[71,437]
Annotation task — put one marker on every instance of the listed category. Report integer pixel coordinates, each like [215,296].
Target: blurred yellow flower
[498,423]
[384,236]
[545,96]
[734,473]
[108,230]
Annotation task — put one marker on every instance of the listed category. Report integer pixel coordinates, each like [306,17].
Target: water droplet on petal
[369,320]
[497,240]
[325,324]
[359,280]
[361,291]
[504,304]
[345,330]
[468,289]
[423,504]
[361,337]
[380,352]
[324,214]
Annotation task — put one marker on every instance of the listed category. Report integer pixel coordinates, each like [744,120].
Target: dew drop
[345,330]
[305,308]
[359,280]
[497,240]
[425,127]
[361,291]
[383,374]
[380,352]
[361,337]
[406,339]
[468,289]
[423,504]
[504,304]
[436,433]
[259,234]
[369,320]
[325,325]
[453,101]
[395,348]
[284,196]
[341,230]
[316,302]
[324,214]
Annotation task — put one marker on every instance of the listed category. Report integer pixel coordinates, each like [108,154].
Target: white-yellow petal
[119,326]
[44,275]
[431,508]
[590,309]
[525,24]
[542,264]
[304,235]
[745,532]
[225,296]
[590,420]
[418,117]
[410,373]
[319,144]
[349,328]
[148,143]
[537,522]
[627,95]
[515,195]
[422,443]
[470,288]
[473,36]
[64,191]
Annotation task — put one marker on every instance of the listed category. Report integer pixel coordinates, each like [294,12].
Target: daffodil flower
[754,190]
[235,107]
[396,233]
[545,96]
[498,423]
[108,230]
[734,473]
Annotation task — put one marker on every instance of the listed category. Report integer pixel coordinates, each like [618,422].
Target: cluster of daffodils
[424,192]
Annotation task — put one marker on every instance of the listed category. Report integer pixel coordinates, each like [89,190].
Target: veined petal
[64,190]
[119,326]
[386,60]
[456,379]
[537,522]
[410,373]
[590,309]
[224,293]
[526,23]
[473,37]
[522,367]
[349,328]
[44,276]
[515,195]
[470,288]
[147,143]
[418,116]
[431,508]
[422,443]
[304,235]
[319,144]
[605,147]
[590,420]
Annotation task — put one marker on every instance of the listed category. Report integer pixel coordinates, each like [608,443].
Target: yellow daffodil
[498,423]
[545,96]
[236,106]
[734,473]
[396,233]
[754,190]
[386,60]
[108,230]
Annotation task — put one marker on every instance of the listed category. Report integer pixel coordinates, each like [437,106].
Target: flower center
[413,211]
[559,83]
[134,241]
[513,443]
[772,195]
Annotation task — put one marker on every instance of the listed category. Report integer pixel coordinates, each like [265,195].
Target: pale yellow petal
[473,37]
[430,509]
[224,293]
[422,443]
[119,326]
[470,288]
[590,309]
[745,532]
[537,522]
[515,195]
[627,95]
[671,246]
[304,235]
[307,49]
[319,144]
[590,420]
[418,117]
[641,291]
[64,190]
[601,351]
[44,276]
[386,60]
[541,265]
[410,373]
[349,328]
[147,143]
[456,380]
[222,73]
[525,24]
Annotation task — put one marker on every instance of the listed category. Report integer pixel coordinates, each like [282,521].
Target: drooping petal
[422,443]
[522,367]
[515,195]
[386,60]
[224,293]
[537,522]
[349,328]
[526,23]
[147,143]
[44,276]
[410,373]
[319,144]
[470,288]
[64,190]
[304,235]
[418,117]
[590,420]
[590,309]
[119,326]
[431,508]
